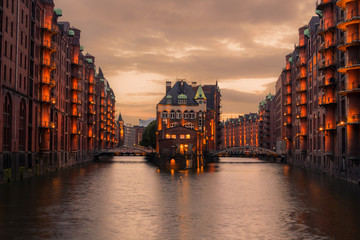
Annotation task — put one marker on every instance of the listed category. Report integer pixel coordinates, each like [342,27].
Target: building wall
[44,79]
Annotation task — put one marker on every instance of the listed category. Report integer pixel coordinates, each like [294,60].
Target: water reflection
[131,199]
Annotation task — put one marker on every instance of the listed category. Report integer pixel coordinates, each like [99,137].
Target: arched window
[192,114]
[178,115]
[164,114]
[172,114]
[186,115]
[22,117]
[7,123]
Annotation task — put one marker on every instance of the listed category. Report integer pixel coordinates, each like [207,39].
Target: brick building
[51,95]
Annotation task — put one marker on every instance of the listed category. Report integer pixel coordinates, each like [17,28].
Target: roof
[180,88]
[182,96]
[120,119]
[200,93]
[58,12]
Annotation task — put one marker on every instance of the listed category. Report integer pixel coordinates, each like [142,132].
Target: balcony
[353,119]
[326,64]
[45,99]
[301,102]
[301,115]
[326,45]
[327,101]
[48,81]
[353,87]
[46,63]
[49,45]
[47,125]
[75,132]
[75,114]
[92,90]
[327,26]
[52,29]
[300,89]
[76,101]
[351,17]
[301,63]
[351,40]
[300,76]
[327,83]
[302,134]
[352,64]
[76,87]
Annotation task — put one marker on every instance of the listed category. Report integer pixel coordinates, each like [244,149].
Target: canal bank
[344,169]
[18,166]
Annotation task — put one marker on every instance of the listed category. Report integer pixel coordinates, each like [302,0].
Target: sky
[141,44]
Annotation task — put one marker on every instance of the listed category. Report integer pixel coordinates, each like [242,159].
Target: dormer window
[182,99]
[182,102]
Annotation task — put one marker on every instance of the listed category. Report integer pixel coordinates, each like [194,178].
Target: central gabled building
[181,125]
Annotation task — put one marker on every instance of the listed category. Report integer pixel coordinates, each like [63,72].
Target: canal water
[128,198]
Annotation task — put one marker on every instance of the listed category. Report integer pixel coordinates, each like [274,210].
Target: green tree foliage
[149,136]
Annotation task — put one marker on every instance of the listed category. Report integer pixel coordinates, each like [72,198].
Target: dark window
[7,123]
[22,126]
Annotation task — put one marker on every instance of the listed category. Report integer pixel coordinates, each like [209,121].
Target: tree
[149,136]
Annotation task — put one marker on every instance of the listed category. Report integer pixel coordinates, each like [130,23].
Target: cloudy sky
[140,44]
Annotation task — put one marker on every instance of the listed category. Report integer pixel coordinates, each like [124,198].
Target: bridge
[125,151]
[246,151]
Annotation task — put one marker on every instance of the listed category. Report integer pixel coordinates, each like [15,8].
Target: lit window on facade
[173,136]
[168,136]
[182,136]
[187,136]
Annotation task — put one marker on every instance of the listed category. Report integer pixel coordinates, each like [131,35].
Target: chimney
[168,86]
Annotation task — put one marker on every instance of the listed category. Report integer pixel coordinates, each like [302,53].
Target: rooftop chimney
[168,86]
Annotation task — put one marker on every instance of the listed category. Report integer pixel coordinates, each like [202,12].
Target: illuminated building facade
[181,125]
[49,93]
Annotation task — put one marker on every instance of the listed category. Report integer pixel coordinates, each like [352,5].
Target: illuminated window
[168,136]
[187,136]
[182,136]
[173,136]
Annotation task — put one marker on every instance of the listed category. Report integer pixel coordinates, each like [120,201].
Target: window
[192,114]
[172,114]
[174,124]
[178,115]
[187,136]
[22,126]
[168,136]
[164,114]
[186,115]
[189,125]
[182,101]
[173,136]
[7,123]
[182,136]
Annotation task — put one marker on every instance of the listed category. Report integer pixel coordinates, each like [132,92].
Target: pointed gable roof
[200,93]
[120,119]
[101,75]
